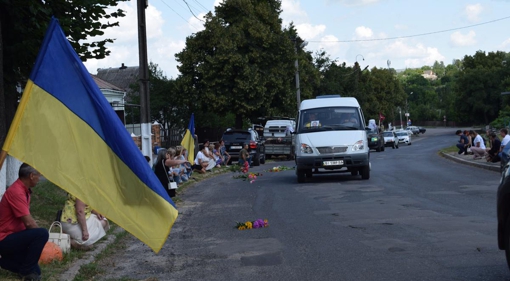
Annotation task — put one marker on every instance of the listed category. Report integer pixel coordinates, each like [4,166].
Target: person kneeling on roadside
[244,157]
[492,152]
[463,142]
[21,240]
[84,225]
[201,161]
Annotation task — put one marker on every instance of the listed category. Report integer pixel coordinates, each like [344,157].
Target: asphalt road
[418,217]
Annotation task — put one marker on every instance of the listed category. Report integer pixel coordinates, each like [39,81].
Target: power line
[194,7]
[178,14]
[201,5]
[410,36]
[192,11]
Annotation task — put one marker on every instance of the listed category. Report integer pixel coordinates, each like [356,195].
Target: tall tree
[241,62]
[23,24]
[479,86]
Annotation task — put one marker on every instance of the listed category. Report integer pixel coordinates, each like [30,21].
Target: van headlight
[359,145]
[305,148]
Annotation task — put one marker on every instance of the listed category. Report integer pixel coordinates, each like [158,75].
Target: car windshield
[388,134]
[401,134]
[329,119]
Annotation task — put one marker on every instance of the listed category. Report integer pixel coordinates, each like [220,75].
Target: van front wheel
[365,172]
[301,176]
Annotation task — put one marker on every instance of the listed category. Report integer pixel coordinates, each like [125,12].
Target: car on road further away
[422,130]
[415,130]
[390,139]
[374,137]
[403,137]
[235,140]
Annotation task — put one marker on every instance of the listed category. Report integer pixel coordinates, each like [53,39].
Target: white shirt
[479,139]
[505,140]
[200,156]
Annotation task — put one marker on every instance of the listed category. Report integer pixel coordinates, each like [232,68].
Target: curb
[482,165]
[89,257]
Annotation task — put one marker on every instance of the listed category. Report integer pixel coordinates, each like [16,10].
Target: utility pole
[143,76]
[298,90]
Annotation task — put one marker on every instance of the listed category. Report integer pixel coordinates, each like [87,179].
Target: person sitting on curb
[84,225]
[492,152]
[506,138]
[244,156]
[478,147]
[462,145]
[21,240]
[224,154]
[469,143]
[201,161]
[208,153]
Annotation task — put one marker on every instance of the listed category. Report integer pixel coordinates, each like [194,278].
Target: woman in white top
[478,147]
[209,155]
[201,161]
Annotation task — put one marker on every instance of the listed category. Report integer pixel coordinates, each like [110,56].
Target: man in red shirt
[21,240]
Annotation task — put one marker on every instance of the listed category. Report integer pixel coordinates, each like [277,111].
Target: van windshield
[329,118]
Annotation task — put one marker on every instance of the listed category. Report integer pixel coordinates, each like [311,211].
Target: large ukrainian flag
[66,129]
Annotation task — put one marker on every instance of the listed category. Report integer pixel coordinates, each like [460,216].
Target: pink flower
[252,181]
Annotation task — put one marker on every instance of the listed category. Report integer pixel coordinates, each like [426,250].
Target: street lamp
[407,107]
[400,112]
[296,64]
[361,57]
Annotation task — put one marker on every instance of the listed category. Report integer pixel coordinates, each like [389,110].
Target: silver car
[404,137]
[415,130]
[390,139]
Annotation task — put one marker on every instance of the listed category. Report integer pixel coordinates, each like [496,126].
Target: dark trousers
[21,251]
[461,148]
[241,161]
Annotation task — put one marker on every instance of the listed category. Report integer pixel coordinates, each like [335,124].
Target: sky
[375,33]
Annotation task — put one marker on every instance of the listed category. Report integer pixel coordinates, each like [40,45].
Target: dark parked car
[375,139]
[236,138]
[415,130]
[503,212]
[422,130]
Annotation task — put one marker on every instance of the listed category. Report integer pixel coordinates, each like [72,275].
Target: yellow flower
[248,224]
[242,227]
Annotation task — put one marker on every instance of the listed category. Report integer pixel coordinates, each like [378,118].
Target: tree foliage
[23,24]
[241,63]
[479,86]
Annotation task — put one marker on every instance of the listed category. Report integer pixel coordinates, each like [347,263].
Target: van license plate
[235,147]
[333,163]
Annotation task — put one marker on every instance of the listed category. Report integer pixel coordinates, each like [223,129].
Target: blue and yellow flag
[67,130]
[188,141]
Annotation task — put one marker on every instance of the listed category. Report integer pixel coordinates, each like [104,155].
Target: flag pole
[3,155]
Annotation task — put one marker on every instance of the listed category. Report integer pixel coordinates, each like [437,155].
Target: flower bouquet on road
[248,176]
[279,169]
[260,223]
